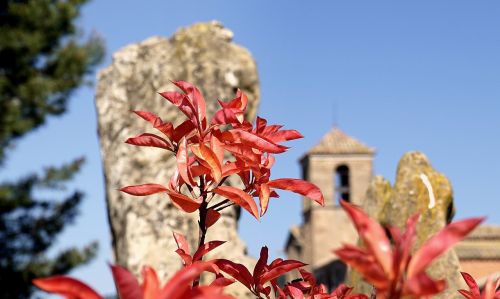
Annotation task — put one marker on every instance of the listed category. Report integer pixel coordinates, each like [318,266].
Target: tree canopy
[43,59]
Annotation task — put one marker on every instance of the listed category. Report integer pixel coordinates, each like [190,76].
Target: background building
[342,167]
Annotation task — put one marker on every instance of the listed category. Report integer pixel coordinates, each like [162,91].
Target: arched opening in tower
[342,189]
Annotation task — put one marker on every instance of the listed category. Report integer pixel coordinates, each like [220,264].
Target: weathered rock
[205,56]
[418,189]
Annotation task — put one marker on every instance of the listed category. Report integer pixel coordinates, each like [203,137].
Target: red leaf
[239,102]
[182,162]
[231,168]
[264,198]
[182,102]
[440,243]
[280,269]
[284,135]
[217,148]
[239,197]
[196,98]
[261,263]
[152,140]
[468,294]
[66,286]
[237,271]
[181,242]
[244,153]
[341,291]
[183,130]
[222,281]
[206,248]
[151,284]
[206,292]
[299,186]
[225,116]
[212,217]
[180,283]
[373,235]
[294,292]
[143,190]
[164,127]
[126,283]
[253,141]
[209,158]
[260,124]
[187,260]
[422,285]
[469,280]
[407,241]
[364,263]
[183,202]
[199,170]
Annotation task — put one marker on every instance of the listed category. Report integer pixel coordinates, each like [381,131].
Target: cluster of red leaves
[208,152]
[178,287]
[490,291]
[391,267]
[202,164]
[307,288]
[262,274]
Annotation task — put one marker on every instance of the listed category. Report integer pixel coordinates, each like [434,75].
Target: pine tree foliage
[43,59]
[41,62]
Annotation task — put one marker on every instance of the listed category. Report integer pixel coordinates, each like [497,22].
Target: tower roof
[338,142]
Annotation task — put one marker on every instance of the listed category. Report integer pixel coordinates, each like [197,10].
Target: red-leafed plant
[391,267]
[490,291]
[207,153]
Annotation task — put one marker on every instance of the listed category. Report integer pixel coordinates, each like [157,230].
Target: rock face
[204,56]
[418,188]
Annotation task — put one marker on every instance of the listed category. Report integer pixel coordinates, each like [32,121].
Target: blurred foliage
[43,59]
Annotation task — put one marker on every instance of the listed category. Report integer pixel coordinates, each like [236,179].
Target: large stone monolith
[418,188]
[203,55]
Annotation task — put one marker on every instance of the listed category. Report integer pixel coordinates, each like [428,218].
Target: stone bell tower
[342,168]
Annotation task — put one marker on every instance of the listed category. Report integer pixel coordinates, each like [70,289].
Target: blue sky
[421,75]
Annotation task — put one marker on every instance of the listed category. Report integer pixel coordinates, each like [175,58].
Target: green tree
[43,59]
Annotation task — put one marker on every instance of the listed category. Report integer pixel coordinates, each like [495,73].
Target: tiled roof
[338,142]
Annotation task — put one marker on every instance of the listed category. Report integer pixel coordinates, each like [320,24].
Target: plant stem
[215,206]
[223,207]
[202,222]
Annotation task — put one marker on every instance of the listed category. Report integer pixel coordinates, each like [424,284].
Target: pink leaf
[181,242]
[264,198]
[183,202]
[206,248]
[212,217]
[151,284]
[126,283]
[180,283]
[239,197]
[280,269]
[165,128]
[207,157]
[440,243]
[182,162]
[143,190]
[66,286]
[152,140]
[299,186]
[373,235]
[237,271]
[254,141]
[196,98]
